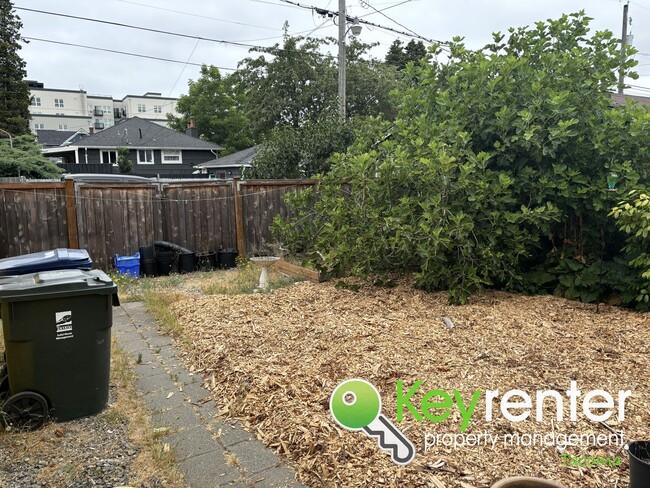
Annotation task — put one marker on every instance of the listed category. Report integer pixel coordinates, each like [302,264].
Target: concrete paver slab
[200,442]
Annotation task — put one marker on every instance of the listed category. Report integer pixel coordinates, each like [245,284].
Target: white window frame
[101,156]
[63,126]
[142,108]
[157,109]
[153,158]
[39,126]
[36,101]
[58,103]
[171,152]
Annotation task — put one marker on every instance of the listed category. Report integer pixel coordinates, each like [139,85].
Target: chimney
[192,130]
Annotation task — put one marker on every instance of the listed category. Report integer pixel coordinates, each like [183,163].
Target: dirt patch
[273,360]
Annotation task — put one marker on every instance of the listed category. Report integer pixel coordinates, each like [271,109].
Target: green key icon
[356,405]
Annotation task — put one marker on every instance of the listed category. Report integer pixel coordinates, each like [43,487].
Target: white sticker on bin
[63,322]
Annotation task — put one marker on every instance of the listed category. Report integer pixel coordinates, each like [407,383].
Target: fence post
[71,214]
[239,218]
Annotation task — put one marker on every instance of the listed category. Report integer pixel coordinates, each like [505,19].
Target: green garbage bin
[57,333]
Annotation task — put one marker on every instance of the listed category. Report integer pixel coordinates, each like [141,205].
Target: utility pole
[621,70]
[342,32]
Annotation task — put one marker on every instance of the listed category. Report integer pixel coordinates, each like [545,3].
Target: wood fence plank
[71,215]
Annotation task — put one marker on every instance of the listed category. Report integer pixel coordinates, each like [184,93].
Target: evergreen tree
[415,51]
[14,92]
[399,55]
[395,56]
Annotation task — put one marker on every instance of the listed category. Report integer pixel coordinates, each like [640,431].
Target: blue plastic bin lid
[53,260]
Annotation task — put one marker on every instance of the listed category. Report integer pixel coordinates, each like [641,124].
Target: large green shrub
[633,218]
[493,174]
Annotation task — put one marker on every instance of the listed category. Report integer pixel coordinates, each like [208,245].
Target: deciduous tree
[211,102]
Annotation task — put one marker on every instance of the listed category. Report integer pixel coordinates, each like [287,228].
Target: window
[58,102]
[145,156]
[157,109]
[109,157]
[63,126]
[172,157]
[142,107]
[36,101]
[39,126]
[90,109]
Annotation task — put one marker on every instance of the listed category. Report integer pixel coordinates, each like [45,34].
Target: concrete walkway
[202,444]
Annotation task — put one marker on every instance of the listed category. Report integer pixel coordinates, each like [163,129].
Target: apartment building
[72,110]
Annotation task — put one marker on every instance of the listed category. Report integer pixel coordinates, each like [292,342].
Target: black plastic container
[57,333]
[207,261]
[165,262]
[228,258]
[186,262]
[148,267]
[147,252]
[639,453]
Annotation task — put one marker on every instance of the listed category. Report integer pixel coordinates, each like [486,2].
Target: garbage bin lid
[44,261]
[55,284]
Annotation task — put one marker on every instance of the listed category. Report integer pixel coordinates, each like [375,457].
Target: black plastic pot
[207,261]
[227,258]
[148,267]
[147,252]
[639,453]
[164,262]
[186,262]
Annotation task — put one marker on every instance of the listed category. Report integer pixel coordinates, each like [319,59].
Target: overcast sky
[260,22]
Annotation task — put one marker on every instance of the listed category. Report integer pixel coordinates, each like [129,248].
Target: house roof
[240,158]
[620,99]
[137,132]
[56,138]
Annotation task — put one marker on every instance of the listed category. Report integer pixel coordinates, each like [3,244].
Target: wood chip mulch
[272,361]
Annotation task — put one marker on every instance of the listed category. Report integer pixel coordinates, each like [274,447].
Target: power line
[94,48]
[386,8]
[364,2]
[198,15]
[147,29]
[224,20]
[330,13]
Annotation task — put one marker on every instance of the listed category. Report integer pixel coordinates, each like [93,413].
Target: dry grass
[159,303]
[61,446]
[274,359]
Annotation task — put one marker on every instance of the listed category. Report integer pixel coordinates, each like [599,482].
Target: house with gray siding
[231,166]
[154,150]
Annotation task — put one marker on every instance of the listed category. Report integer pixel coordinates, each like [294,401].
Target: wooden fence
[117,218]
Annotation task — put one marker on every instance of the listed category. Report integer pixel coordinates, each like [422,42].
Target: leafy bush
[124,163]
[633,218]
[493,174]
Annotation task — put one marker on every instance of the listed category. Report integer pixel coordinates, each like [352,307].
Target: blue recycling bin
[56,259]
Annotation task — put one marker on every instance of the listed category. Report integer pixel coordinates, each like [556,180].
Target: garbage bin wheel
[24,411]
